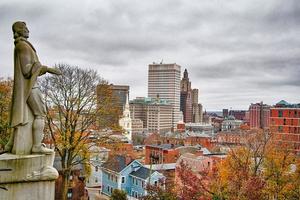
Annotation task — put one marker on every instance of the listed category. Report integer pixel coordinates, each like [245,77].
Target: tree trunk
[65,184]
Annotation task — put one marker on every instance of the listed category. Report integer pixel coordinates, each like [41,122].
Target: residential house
[93,183]
[131,176]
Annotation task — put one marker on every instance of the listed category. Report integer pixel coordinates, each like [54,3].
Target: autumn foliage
[259,169]
[72,115]
[5,99]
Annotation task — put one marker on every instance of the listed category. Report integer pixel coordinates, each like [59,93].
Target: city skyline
[236,53]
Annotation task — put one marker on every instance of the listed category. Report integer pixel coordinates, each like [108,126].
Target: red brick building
[76,187]
[259,115]
[285,123]
[238,114]
[159,154]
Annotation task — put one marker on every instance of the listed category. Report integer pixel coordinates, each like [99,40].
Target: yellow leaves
[278,171]
[258,170]
[5,99]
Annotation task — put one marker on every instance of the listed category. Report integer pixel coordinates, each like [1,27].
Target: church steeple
[126,112]
[185,74]
[125,122]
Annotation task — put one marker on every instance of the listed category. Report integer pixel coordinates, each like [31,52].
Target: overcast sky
[236,52]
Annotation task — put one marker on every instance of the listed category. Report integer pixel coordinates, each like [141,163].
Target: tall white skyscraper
[164,82]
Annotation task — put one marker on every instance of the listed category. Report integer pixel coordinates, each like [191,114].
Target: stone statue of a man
[27,101]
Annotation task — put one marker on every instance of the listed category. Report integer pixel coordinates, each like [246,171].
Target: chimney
[128,159]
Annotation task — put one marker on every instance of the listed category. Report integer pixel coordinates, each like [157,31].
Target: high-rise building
[285,123]
[259,115]
[164,82]
[155,113]
[186,98]
[197,110]
[120,93]
[137,126]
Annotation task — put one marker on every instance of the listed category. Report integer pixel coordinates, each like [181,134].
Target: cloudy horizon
[236,52]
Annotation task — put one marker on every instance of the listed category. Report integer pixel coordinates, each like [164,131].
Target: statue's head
[20,30]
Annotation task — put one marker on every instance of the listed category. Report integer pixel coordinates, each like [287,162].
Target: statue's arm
[29,67]
[25,60]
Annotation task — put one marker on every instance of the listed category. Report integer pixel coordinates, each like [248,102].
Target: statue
[28,109]
[28,164]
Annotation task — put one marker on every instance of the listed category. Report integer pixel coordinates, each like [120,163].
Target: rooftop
[150,101]
[285,104]
[116,163]
[167,166]
[142,173]
[165,146]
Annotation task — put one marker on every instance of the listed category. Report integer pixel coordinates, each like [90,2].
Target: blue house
[132,178]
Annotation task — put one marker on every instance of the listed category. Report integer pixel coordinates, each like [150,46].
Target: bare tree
[72,111]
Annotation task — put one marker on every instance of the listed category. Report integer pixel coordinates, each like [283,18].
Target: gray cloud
[236,52]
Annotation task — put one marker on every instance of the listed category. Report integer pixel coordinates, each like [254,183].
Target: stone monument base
[27,177]
[42,190]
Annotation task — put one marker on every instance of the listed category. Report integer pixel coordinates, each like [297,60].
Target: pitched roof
[116,163]
[142,173]
[283,102]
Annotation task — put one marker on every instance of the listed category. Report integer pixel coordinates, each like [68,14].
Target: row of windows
[96,180]
[135,194]
[113,178]
[136,181]
[290,129]
[290,113]
[109,189]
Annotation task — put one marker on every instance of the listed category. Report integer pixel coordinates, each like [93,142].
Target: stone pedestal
[27,177]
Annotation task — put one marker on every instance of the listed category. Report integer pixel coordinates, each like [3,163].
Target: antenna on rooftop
[161,62]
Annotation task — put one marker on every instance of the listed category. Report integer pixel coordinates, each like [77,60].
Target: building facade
[155,113]
[231,124]
[259,115]
[131,177]
[93,184]
[197,110]
[164,82]
[137,126]
[121,93]
[238,114]
[186,97]
[285,123]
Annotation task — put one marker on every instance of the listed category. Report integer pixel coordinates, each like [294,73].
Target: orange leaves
[5,99]
[258,170]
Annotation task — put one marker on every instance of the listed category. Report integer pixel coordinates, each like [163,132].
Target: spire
[127,102]
[185,74]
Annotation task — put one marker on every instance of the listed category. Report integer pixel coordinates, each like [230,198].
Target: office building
[197,110]
[285,124]
[164,83]
[186,98]
[155,113]
[259,115]
[120,93]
